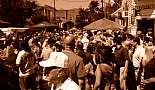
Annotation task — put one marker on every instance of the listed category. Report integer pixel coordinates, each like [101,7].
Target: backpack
[27,63]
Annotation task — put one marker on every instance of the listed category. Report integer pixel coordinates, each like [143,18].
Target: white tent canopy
[13,29]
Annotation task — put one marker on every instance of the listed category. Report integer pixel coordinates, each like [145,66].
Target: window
[124,13]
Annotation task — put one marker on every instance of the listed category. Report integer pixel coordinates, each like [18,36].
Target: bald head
[70,41]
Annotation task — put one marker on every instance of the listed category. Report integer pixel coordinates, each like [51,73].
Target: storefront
[145,25]
[145,16]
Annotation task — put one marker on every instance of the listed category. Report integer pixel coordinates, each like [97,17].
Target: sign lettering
[148,6]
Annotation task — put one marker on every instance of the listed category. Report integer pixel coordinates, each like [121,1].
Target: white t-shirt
[138,55]
[19,56]
[46,53]
[69,85]
[18,61]
[85,42]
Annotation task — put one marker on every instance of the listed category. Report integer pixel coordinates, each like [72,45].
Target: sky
[66,4]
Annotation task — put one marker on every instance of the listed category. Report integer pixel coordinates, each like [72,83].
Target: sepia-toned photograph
[77,44]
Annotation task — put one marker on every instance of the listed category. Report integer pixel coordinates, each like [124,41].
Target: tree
[38,18]
[68,25]
[81,19]
[93,6]
[94,12]
[88,15]
[17,11]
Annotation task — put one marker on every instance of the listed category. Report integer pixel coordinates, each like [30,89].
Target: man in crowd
[76,65]
[85,41]
[26,63]
[121,59]
[137,58]
[149,69]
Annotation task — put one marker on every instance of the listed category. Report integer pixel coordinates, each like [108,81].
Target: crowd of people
[82,60]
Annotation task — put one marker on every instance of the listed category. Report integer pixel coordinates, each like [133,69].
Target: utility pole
[54,11]
[102,6]
[108,9]
[105,9]
[66,15]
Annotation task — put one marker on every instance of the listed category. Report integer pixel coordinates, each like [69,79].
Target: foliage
[17,11]
[38,18]
[68,25]
[81,20]
[93,6]
[88,15]
[94,12]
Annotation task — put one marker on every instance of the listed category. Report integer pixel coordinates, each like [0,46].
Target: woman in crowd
[48,48]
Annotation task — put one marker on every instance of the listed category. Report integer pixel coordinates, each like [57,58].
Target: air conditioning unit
[124,13]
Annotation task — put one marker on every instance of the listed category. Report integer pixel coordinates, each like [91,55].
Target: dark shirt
[80,53]
[149,69]
[4,75]
[121,55]
[76,66]
[11,60]
[88,58]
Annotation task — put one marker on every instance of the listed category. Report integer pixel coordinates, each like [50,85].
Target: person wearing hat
[76,65]
[57,72]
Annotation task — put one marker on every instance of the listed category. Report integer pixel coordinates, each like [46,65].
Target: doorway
[146,25]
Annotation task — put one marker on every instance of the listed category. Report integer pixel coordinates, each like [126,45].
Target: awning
[13,29]
[43,25]
[104,24]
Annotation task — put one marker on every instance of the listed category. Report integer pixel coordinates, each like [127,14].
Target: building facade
[140,15]
[137,15]
[67,15]
[60,16]
[145,16]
